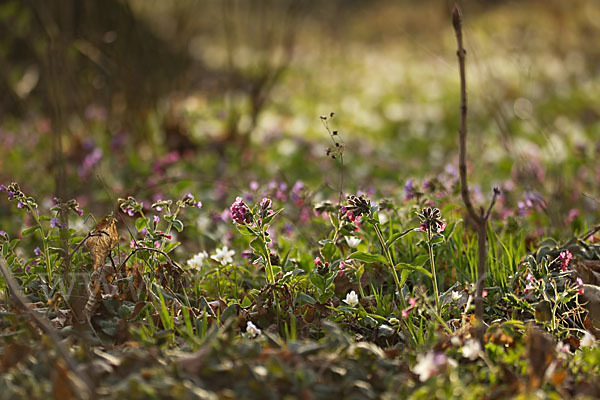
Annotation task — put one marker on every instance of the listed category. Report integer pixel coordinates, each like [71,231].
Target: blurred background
[104,99]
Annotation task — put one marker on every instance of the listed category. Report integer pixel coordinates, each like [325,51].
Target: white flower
[197,261]
[587,340]
[252,329]
[351,299]
[352,241]
[456,296]
[425,367]
[383,218]
[223,255]
[471,349]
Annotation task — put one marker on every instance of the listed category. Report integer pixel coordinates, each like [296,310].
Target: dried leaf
[541,354]
[105,238]
[62,386]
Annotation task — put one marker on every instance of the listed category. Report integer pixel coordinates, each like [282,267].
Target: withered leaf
[104,238]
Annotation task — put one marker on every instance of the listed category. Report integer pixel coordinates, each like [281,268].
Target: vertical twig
[480,219]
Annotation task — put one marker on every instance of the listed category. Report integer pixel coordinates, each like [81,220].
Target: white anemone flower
[252,329]
[587,340]
[223,255]
[351,299]
[426,366]
[197,261]
[471,349]
[352,241]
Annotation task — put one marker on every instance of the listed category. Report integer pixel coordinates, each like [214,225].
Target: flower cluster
[357,206]
[240,213]
[431,220]
[71,205]
[130,206]
[189,201]
[14,193]
[564,258]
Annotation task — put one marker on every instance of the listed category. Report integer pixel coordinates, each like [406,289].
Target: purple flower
[11,195]
[240,213]
[254,186]
[190,196]
[54,223]
[79,212]
[37,251]
[156,219]
[20,204]
[144,231]
[198,204]
[409,189]
[2,188]
[130,212]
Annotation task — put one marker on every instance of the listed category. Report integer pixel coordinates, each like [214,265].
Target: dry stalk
[480,219]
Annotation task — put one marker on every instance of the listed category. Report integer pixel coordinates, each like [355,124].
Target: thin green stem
[433,273]
[44,242]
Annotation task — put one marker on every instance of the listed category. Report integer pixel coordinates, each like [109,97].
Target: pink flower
[317,261]
[484,293]
[565,257]
[405,313]
[441,227]
[132,244]
[240,213]
[530,277]
[529,287]
[156,219]
[412,301]
[579,282]
[423,227]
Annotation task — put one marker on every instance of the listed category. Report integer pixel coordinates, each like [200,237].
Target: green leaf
[141,223]
[304,298]
[30,231]
[269,218]
[325,296]
[244,230]
[318,281]
[328,252]
[171,246]
[177,224]
[399,235]
[411,268]
[229,312]
[367,257]
[258,246]
[421,260]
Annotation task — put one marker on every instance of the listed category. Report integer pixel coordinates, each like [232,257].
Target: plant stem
[44,243]
[268,265]
[388,256]
[433,273]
